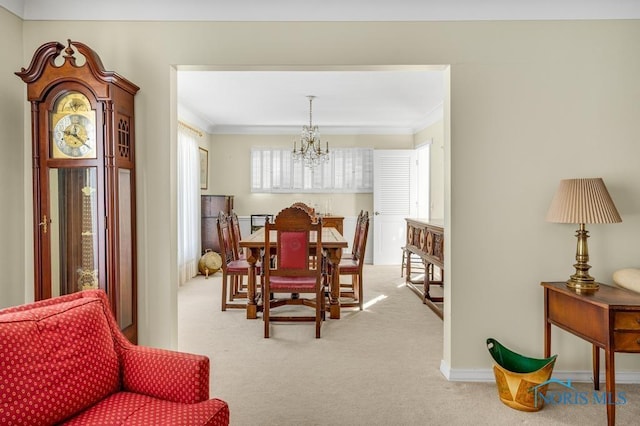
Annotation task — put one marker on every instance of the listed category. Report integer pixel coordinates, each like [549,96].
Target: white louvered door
[394,199]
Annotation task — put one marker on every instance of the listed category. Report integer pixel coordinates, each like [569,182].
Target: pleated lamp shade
[583,201]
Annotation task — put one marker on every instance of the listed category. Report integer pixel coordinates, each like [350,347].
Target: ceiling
[399,101]
[346,101]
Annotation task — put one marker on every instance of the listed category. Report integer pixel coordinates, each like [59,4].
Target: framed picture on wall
[204,168]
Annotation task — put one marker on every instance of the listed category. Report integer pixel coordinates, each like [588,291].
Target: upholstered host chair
[233,269]
[353,266]
[312,212]
[291,272]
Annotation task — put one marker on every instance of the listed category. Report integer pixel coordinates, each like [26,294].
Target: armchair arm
[169,375]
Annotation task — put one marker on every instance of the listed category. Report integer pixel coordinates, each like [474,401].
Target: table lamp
[582,201]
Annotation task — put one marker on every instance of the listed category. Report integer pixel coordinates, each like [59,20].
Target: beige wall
[15,200]
[230,158]
[531,103]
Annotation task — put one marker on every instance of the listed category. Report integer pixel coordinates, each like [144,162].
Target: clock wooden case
[83,177]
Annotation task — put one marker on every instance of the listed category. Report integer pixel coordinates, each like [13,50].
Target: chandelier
[310,146]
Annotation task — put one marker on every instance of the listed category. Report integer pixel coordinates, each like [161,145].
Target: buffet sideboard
[425,239]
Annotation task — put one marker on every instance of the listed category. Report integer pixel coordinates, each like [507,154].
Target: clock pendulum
[87,274]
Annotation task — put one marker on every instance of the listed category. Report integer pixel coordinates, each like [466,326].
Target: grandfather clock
[83,177]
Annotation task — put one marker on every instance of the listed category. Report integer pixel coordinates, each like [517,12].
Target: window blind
[348,170]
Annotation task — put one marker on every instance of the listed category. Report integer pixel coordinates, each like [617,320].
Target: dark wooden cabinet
[211,206]
[334,222]
[83,145]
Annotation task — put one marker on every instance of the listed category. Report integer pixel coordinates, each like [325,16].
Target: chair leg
[360,292]
[265,316]
[224,291]
[233,290]
[238,288]
[241,287]
[319,311]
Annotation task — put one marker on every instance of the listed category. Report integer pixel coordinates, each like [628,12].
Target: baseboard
[486,375]
[466,375]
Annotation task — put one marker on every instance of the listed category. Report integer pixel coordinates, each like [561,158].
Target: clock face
[73,131]
[74,136]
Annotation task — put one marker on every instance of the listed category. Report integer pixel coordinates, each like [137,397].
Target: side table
[609,318]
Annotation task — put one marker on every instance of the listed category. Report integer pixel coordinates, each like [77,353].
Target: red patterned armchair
[65,361]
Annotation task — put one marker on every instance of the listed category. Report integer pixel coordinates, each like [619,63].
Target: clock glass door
[76,253]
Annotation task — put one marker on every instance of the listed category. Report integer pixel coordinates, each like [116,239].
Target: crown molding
[188,116]
[353,10]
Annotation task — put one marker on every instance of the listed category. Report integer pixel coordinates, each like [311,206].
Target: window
[348,170]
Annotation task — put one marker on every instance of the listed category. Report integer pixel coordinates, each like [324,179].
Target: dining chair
[305,207]
[353,266]
[291,273]
[236,234]
[356,234]
[239,289]
[354,244]
[233,269]
[312,212]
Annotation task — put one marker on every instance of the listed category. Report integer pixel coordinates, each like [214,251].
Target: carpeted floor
[379,366]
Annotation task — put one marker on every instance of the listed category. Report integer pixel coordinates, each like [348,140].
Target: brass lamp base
[581,280]
[580,286]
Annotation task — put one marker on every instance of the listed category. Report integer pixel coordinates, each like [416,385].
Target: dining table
[332,244]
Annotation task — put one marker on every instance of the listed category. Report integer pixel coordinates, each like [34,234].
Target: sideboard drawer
[626,342]
[627,321]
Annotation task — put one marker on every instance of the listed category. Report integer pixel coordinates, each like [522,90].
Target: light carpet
[379,366]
